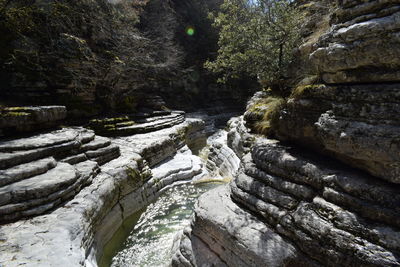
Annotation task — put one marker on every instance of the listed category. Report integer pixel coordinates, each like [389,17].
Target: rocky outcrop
[358,124]
[291,208]
[26,119]
[223,234]
[137,123]
[41,172]
[363,45]
[329,195]
[239,138]
[221,159]
[80,187]
[355,117]
[214,119]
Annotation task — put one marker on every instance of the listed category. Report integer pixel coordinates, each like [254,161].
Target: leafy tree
[257,38]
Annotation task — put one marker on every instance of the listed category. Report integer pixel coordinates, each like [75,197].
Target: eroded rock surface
[363,45]
[223,234]
[40,172]
[137,123]
[358,124]
[222,161]
[24,119]
[98,181]
[330,197]
[289,208]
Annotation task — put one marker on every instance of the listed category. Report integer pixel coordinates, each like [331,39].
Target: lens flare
[190,31]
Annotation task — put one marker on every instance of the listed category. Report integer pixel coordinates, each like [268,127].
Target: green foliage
[256,38]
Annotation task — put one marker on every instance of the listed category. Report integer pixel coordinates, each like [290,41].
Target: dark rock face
[138,123]
[25,119]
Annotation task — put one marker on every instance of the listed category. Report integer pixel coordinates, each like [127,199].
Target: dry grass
[273,106]
[304,90]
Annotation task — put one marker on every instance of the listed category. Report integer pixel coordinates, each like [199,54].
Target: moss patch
[306,90]
[15,114]
[134,175]
[274,105]
[263,115]
[109,125]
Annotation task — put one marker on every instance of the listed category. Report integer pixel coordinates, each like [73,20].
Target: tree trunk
[280,58]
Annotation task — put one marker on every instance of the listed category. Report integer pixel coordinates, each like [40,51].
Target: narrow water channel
[146,238]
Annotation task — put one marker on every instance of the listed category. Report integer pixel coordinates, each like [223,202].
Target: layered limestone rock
[25,119]
[290,208]
[62,168]
[223,234]
[330,197]
[363,45]
[355,117]
[221,159]
[214,119]
[358,124]
[40,172]
[137,123]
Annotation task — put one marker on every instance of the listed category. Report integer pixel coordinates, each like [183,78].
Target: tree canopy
[257,38]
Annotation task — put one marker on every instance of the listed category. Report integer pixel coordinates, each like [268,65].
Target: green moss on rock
[306,90]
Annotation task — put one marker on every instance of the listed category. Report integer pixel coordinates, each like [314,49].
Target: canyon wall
[326,193]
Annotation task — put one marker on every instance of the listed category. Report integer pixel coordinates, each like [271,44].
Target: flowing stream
[149,234]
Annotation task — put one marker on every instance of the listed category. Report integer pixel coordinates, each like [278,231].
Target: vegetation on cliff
[257,38]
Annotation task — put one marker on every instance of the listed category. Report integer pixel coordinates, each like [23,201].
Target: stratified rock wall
[73,189]
[14,120]
[358,124]
[356,117]
[330,197]
[363,45]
